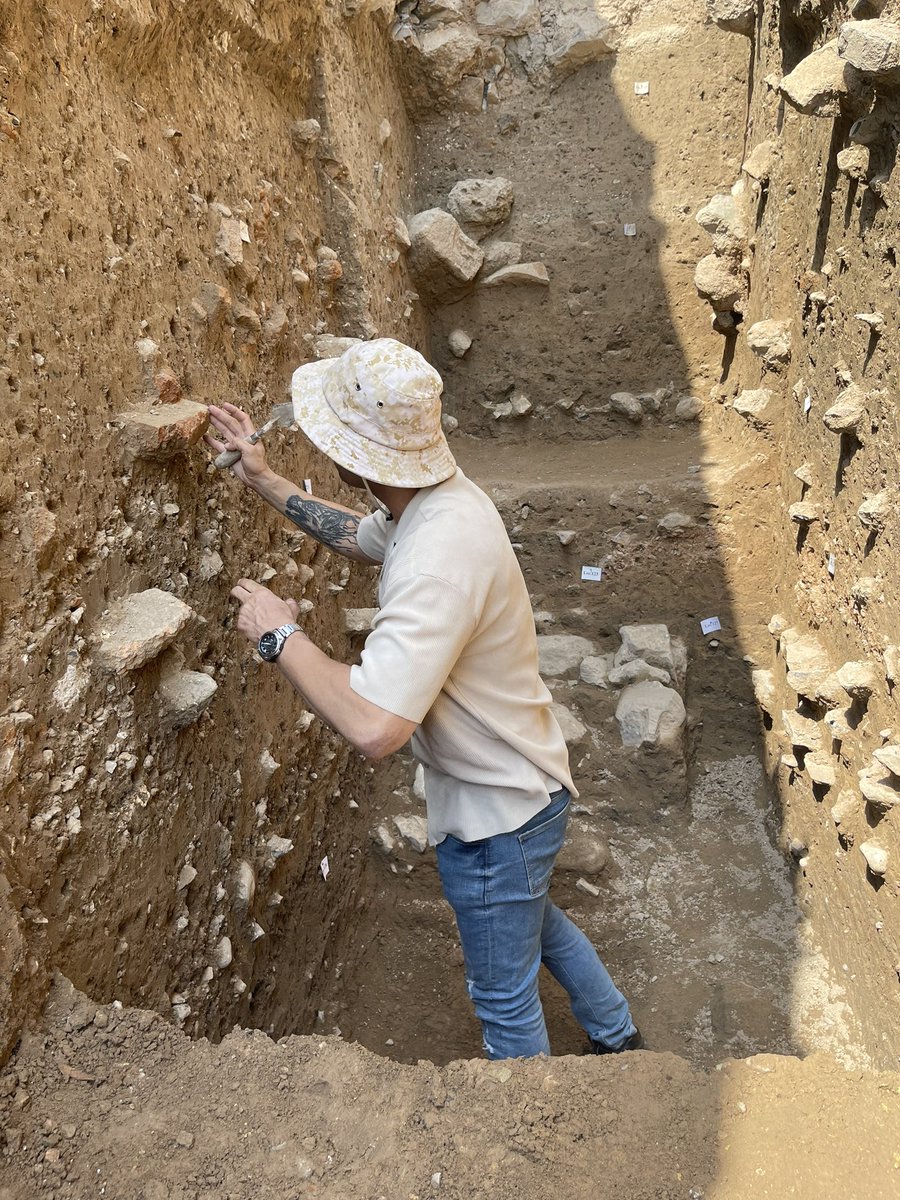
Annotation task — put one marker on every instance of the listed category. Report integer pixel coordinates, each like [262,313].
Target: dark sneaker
[635,1042]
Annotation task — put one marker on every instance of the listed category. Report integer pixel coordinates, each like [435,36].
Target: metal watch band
[281,635]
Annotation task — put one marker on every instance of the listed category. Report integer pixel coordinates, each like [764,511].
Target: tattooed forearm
[328,525]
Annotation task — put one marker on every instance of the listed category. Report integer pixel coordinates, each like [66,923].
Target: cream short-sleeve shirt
[453,647]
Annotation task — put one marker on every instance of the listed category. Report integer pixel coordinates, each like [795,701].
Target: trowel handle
[226,459]
[229,457]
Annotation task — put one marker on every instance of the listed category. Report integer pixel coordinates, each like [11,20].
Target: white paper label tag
[630,230]
[307,486]
[324,867]
[807,404]
[710,625]
[642,87]
[592,573]
[832,564]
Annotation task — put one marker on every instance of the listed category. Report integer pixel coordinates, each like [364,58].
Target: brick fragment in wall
[163,431]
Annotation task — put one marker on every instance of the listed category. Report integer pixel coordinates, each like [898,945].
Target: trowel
[282,416]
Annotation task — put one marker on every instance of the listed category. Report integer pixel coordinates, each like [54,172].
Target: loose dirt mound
[117,1103]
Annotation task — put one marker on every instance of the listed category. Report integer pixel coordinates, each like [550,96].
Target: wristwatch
[271,644]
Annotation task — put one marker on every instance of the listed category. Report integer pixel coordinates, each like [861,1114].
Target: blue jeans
[508,926]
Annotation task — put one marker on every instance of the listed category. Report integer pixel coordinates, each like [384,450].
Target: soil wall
[820,202]
[176,232]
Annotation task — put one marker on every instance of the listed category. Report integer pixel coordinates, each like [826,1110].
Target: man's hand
[262,610]
[235,427]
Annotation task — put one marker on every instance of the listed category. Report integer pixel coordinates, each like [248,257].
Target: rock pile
[446,259]
[721,277]
[823,736]
[456,49]
[649,667]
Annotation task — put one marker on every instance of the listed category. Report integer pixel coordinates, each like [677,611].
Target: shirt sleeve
[372,536]
[416,638]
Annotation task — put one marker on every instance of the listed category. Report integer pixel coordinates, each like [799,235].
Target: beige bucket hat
[376,410]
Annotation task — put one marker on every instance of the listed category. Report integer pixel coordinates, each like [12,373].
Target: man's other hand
[262,610]
[235,427]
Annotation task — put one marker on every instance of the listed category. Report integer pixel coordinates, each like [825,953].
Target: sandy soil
[114,1103]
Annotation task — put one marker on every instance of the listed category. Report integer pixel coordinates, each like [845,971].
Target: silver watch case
[272,643]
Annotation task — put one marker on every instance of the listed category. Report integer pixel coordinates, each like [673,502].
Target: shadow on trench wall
[609,217]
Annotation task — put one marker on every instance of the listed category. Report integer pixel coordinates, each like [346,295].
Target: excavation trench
[198,202]
[686,848]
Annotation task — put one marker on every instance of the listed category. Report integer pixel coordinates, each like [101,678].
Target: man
[452,663]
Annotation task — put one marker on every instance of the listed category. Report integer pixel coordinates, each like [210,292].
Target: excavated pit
[195,201]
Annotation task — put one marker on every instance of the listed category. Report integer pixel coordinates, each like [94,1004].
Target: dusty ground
[115,1103]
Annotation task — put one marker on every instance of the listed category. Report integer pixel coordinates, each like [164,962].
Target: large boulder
[878,786]
[859,679]
[443,11]
[583,850]
[722,282]
[441,257]
[582,36]
[820,82]
[184,695]
[499,254]
[560,653]
[753,403]
[573,730]
[650,714]
[450,52]
[652,644]
[637,671]
[848,413]
[808,664]
[763,683]
[771,341]
[481,203]
[877,858]
[759,162]
[595,669]
[871,47]
[507,18]
[413,828]
[723,218]
[735,16]
[802,732]
[163,431]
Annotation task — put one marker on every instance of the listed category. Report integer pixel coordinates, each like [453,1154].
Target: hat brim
[368,459]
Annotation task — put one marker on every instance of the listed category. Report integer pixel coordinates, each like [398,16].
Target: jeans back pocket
[540,847]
